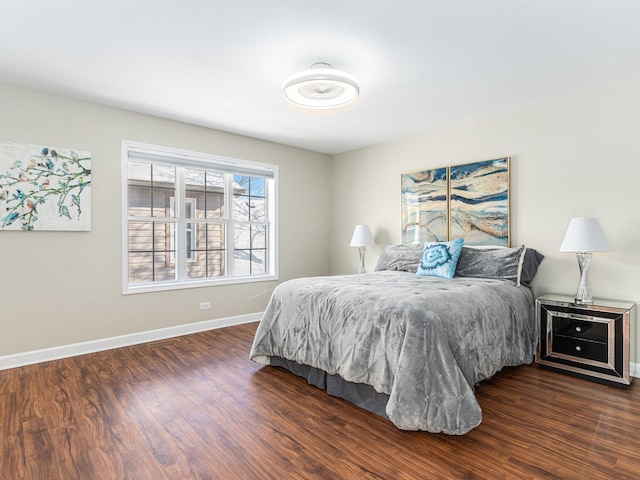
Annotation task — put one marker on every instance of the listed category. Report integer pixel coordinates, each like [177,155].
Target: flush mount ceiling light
[321,87]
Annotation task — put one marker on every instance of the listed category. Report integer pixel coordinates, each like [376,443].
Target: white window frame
[184,158]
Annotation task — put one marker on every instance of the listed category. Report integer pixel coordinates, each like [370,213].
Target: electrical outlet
[205,305]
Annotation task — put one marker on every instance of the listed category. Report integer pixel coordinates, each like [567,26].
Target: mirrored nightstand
[585,340]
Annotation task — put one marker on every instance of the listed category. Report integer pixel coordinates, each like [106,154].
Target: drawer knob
[578,329]
[578,348]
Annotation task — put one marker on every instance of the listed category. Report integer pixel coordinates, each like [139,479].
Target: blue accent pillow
[439,259]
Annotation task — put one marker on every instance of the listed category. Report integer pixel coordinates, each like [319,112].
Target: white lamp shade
[584,235]
[362,237]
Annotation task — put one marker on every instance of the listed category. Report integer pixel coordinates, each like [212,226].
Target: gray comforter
[424,341]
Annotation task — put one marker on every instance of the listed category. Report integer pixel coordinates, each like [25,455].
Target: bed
[409,347]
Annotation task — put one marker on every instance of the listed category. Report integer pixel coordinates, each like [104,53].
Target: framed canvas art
[424,206]
[44,188]
[479,202]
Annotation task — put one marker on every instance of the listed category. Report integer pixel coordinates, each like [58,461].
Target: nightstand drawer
[578,328]
[596,351]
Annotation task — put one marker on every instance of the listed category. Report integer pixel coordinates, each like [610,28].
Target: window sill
[161,287]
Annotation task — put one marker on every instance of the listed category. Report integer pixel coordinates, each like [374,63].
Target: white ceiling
[421,64]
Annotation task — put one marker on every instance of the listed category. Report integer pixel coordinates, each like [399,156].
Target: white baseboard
[634,369]
[64,351]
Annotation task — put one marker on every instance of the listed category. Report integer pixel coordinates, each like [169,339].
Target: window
[192,219]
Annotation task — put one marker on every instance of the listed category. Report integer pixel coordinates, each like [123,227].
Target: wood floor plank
[195,407]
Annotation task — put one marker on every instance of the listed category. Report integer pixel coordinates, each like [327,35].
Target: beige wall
[60,288]
[573,156]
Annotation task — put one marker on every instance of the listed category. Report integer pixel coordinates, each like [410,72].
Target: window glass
[139,189]
[149,252]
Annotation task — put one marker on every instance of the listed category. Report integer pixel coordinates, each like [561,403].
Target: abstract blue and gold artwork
[44,188]
[424,206]
[479,202]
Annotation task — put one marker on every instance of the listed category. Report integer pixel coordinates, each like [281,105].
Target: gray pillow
[532,260]
[496,263]
[404,258]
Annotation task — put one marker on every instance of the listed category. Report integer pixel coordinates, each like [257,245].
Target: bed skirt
[360,394]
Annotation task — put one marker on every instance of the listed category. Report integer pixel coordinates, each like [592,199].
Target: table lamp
[362,239]
[584,236]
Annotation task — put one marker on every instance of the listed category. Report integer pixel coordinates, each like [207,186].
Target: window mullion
[267,234]
[270,201]
[229,228]
[181,226]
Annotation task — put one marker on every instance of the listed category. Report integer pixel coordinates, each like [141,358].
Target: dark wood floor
[196,407]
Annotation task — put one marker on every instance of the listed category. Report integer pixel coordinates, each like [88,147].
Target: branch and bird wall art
[44,188]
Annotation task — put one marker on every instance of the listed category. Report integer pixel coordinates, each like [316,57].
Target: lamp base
[362,251]
[583,296]
[583,301]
